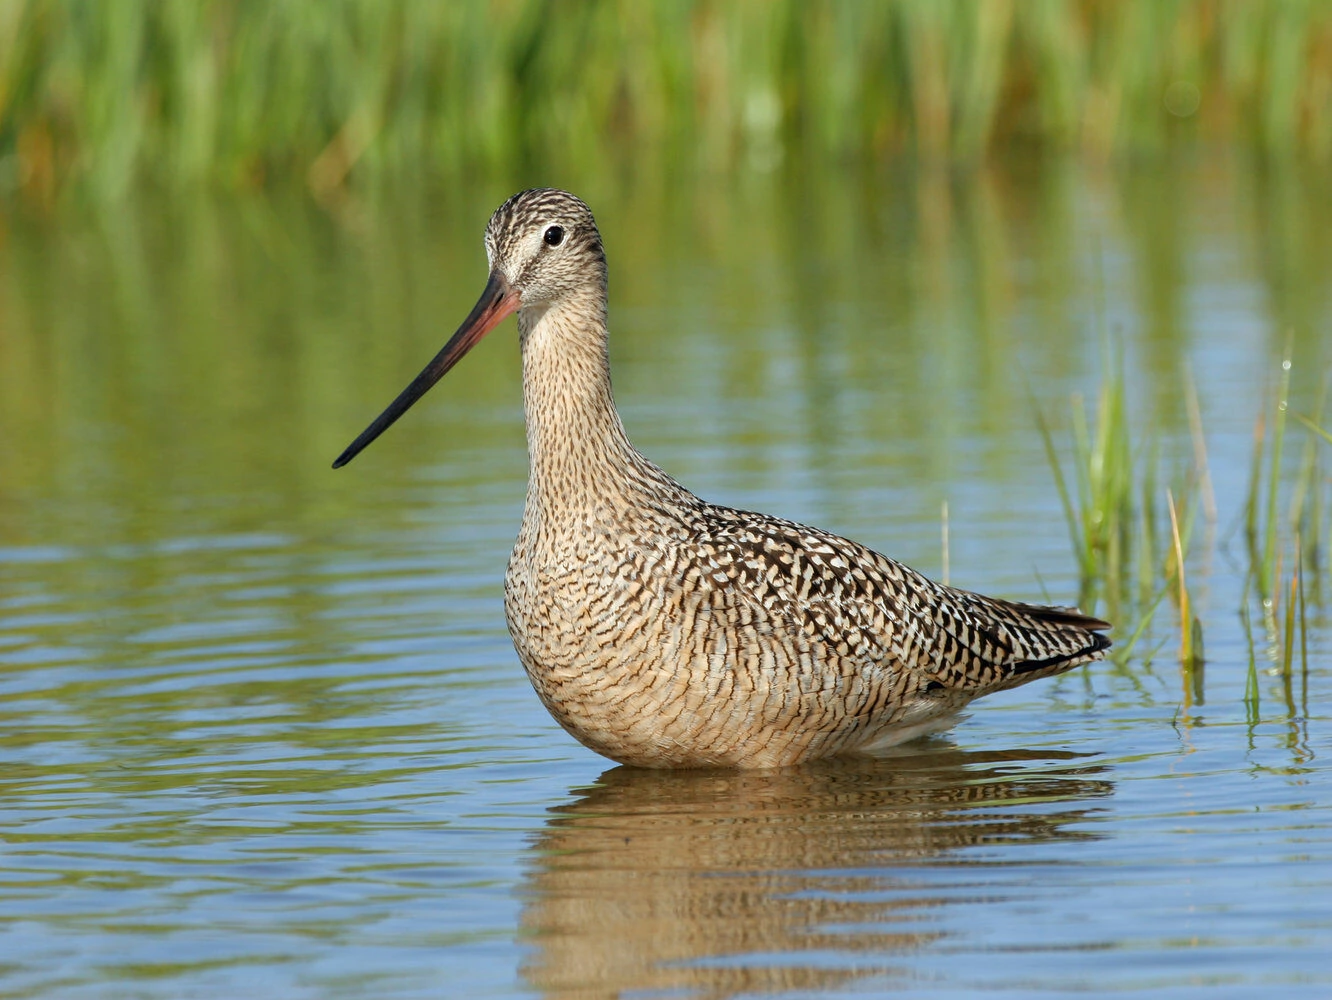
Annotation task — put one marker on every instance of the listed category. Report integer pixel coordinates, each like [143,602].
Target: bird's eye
[554,236]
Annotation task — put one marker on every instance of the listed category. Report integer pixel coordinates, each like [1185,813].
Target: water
[262,728]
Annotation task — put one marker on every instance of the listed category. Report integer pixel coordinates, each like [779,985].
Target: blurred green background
[363,92]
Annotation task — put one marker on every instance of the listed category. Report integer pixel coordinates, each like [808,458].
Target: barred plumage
[665,631]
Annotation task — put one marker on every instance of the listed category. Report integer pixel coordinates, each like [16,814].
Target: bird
[664,631]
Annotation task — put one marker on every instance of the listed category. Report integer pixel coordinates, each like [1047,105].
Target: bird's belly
[658,678]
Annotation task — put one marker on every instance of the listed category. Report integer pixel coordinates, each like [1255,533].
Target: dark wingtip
[1063,616]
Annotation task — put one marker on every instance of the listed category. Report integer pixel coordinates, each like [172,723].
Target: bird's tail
[1049,640]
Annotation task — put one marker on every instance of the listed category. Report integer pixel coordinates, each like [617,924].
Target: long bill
[496,302]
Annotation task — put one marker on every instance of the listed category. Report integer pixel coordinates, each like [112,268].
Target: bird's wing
[879,611]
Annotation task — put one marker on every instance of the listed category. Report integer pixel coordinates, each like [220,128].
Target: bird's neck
[580,455]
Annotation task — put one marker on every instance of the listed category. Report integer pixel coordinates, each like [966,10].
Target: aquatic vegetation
[1308,506]
[1283,600]
[1263,543]
[1099,507]
[1114,488]
[1190,630]
[1112,512]
[239,92]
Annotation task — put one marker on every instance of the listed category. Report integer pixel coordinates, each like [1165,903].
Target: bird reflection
[719,883]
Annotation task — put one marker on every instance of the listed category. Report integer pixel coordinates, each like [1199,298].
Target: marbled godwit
[665,631]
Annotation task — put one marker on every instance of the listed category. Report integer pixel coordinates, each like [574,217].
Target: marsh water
[262,729]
